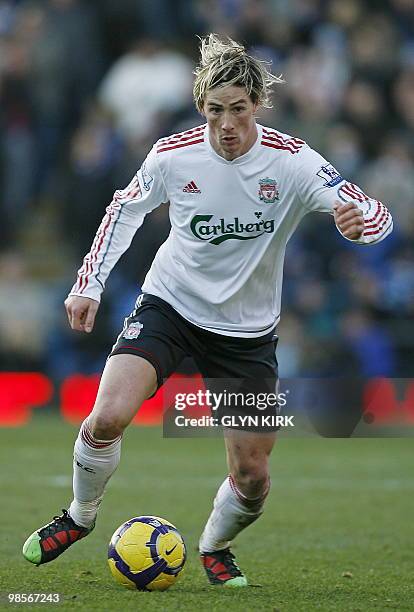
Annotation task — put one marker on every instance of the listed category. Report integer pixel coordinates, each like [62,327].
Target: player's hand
[349,220]
[81,312]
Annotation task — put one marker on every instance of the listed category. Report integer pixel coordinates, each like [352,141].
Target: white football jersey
[221,267]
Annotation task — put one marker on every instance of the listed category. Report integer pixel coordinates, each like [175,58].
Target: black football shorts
[156,332]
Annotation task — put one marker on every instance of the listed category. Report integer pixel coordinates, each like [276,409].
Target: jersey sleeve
[124,215]
[319,186]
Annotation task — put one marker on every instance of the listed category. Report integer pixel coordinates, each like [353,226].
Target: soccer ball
[146,553]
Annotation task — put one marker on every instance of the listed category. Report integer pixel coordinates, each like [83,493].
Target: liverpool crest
[133,331]
[268,190]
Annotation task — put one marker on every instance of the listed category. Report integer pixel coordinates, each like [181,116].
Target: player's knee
[106,426]
[251,478]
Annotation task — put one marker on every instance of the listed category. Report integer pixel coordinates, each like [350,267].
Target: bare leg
[239,500]
[126,382]
[248,460]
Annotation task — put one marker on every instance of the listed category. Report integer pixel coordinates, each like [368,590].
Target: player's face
[230,116]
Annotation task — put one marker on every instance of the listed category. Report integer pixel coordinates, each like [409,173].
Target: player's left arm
[358,217]
[349,219]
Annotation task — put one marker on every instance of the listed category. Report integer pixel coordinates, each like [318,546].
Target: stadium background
[87,87]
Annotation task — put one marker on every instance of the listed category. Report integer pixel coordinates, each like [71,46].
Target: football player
[237,190]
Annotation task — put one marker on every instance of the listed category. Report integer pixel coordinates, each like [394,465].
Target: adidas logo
[191,188]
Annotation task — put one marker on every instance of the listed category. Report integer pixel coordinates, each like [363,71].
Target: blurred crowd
[86,87]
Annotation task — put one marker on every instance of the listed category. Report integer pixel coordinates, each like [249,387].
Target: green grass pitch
[337,533]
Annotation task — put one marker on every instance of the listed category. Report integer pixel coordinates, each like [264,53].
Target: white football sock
[94,462]
[232,512]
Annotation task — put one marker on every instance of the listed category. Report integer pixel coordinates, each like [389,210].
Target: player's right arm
[123,217]
[81,312]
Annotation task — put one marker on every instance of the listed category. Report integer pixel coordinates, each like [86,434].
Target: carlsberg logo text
[216,233]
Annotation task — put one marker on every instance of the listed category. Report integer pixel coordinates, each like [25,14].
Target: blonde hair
[225,63]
